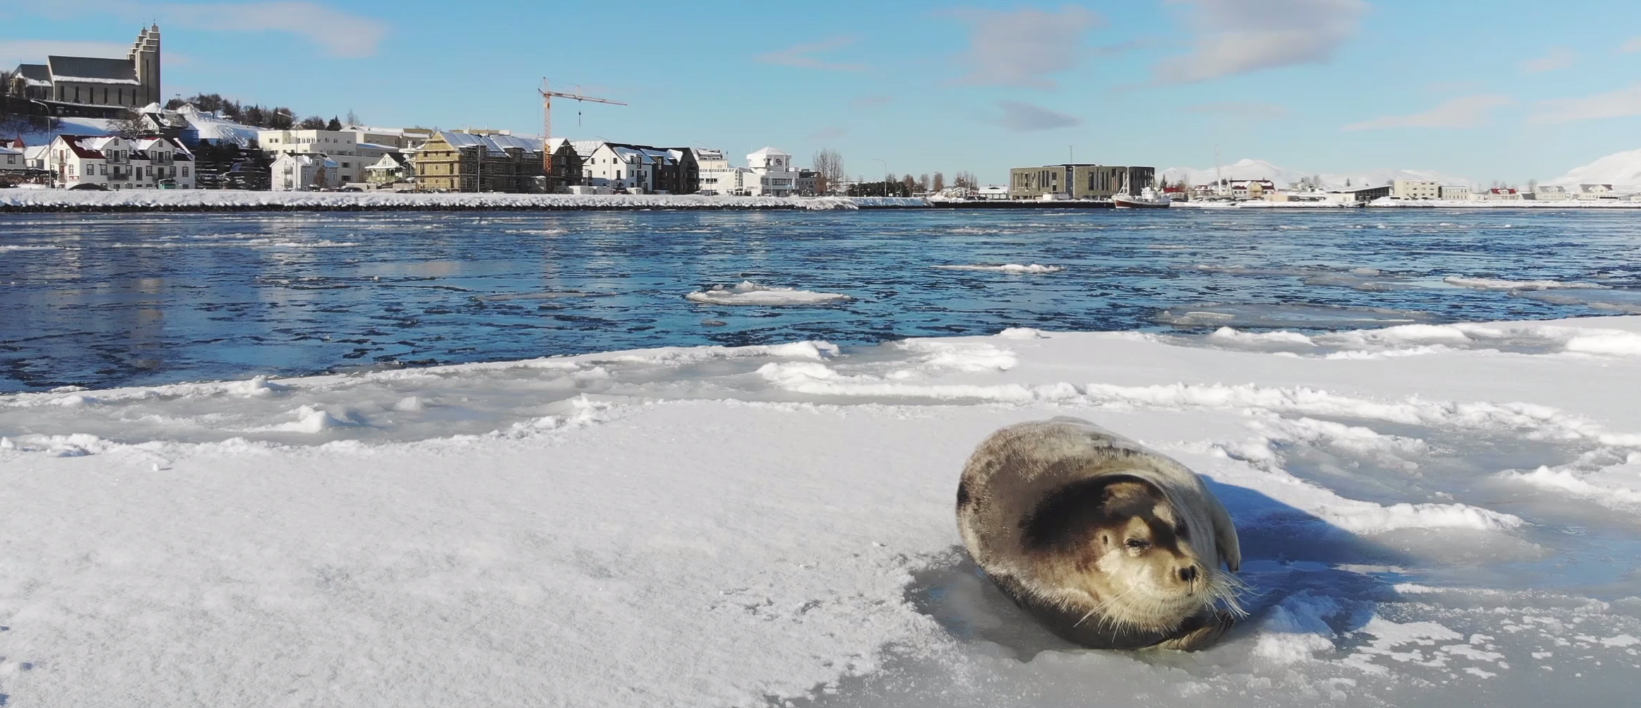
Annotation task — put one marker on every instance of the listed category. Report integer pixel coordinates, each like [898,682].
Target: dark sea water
[105,300]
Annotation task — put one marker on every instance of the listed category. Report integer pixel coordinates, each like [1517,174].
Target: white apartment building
[301,172]
[112,162]
[1549,193]
[1455,192]
[772,174]
[1415,189]
[718,176]
[1593,192]
[617,166]
[339,145]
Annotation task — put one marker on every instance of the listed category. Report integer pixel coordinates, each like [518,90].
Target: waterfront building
[1078,181]
[340,145]
[303,171]
[1454,192]
[717,176]
[1548,193]
[1366,194]
[1496,194]
[459,161]
[113,162]
[11,161]
[390,169]
[1594,192]
[1415,189]
[772,174]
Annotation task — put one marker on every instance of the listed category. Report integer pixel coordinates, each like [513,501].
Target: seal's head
[1119,542]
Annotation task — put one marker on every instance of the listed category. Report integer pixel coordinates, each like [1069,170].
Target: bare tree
[829,174]
[910,184]
[923,182]
[128,126]
[312,123]
[353,118]
[1532,185]
[939,181]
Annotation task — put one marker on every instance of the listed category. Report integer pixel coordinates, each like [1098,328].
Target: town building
[994,192]
[1595,192]
[772,174]
[1548,193]
[807,182]
[1245,189]
[12,161]
[113,162]
[1079,181]
[717,176]
[1415,189]
[567,167]
[340,145]
[1454,192]
[402,138]
[457,161]
[392,168]
[94,86]
[1496,194]
[303,172]
[1366,194]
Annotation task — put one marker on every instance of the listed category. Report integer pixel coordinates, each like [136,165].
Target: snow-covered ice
[748,293]
[1432,515]
[1015,268]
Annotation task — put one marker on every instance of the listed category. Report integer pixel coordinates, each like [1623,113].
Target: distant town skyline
[1497,91]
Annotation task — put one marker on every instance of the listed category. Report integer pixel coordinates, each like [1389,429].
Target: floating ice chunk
[1501,284]
[752,294]
[1014,268]
[1022,333]
[1296,630]
[1628,301]
[409,404]
[1283,315]
[1613,483]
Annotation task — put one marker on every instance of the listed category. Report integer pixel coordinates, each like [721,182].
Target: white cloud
[341,33]
[1239,109]
[1558,58]
[1633,45]
[1022,117]
[1242,36]
[1023,47]
[1461,112]
[1612,104]
[798,55]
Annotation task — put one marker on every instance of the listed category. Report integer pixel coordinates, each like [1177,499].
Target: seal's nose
[1188,574]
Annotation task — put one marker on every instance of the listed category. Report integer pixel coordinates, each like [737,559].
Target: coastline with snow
[196,200]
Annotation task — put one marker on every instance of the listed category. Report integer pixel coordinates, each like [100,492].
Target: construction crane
[547,122]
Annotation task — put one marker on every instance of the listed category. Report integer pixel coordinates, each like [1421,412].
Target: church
[93,86]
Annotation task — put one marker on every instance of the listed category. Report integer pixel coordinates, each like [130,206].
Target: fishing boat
[1148,198]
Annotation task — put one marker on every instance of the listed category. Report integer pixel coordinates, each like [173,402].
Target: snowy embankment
[232,200]
[1430,515]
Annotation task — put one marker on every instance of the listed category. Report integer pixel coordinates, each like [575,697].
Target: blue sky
[1485,90]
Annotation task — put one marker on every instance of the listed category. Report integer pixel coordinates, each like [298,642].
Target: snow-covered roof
[93,70]
[36,75]
[586,148]
[305,158]
[10,151]
[378,146]
[81,146]
[708,154]
[770,151]
[35,152]
[215,128]
[493,144]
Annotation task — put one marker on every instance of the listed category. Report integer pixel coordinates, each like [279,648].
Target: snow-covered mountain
[1620,169]
[1284,177]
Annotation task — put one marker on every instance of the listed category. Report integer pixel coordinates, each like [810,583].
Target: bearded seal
[1108,544]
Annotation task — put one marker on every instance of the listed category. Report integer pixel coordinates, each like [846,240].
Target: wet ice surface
[140,299]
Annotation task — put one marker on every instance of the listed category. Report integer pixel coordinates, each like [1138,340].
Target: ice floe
[749,293]
[1012,268]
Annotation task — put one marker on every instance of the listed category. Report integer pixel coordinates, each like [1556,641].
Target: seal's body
[1108,544]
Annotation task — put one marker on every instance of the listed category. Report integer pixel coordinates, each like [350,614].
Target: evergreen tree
[334,124]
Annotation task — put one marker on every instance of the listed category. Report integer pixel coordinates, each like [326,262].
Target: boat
[1148,198]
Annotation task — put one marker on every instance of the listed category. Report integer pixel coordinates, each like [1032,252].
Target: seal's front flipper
[1199,633]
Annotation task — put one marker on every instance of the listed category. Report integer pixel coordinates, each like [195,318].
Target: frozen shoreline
[1427,511]
[196,200]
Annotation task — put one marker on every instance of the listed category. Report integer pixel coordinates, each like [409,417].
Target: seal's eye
[1138,544]
[1180,530]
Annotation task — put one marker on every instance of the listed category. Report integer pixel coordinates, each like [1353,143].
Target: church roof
[35,74]
[92,70]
